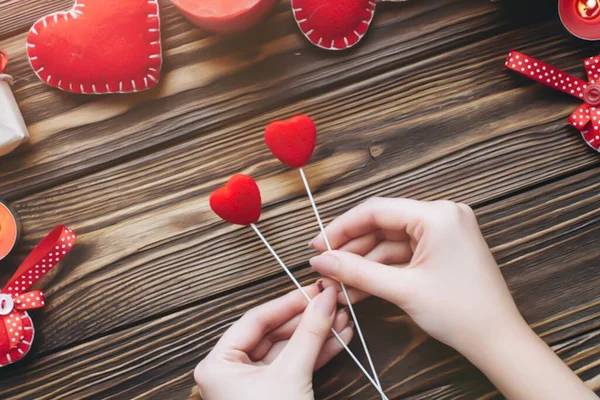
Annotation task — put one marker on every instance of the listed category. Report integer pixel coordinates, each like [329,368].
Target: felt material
[238,202]
[224,16]
[586,117]
[292,141]
[16,327]
[3,61]
[334,24]
[98,47]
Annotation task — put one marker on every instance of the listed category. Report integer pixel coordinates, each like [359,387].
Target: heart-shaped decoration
[238,202]
[334,24]
[292,141]
[98,47]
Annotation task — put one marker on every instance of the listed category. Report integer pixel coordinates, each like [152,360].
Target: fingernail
[325,303]
[344,310]
[327,265]
[320,285]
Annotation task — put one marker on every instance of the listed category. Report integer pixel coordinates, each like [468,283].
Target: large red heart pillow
[292,141]
[98,47]
[238,202]
[334,24]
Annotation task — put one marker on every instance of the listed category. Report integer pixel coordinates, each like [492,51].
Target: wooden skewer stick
[337,336]
[346,296]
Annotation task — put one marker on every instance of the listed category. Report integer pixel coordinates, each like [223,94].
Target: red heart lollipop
[292,141]
[238,202]
[334,24]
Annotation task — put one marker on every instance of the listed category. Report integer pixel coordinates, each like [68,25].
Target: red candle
[9,230]
[581,17]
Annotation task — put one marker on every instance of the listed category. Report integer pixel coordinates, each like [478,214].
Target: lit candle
[581,17]
[9,230]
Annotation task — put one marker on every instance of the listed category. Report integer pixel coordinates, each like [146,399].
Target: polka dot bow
[587,117]
[16,327]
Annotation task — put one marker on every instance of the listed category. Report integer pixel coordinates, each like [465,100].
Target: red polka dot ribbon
[16,327]
[587,117]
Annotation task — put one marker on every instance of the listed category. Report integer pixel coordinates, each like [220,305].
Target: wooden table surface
[423,108]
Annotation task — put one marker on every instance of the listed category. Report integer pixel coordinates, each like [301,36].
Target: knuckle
[202,374]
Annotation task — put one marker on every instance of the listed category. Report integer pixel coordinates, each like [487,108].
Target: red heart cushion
[292,141]
[238,202]
[98,47]
[334,24]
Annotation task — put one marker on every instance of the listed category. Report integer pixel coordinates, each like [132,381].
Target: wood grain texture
[153,358]
[423,109]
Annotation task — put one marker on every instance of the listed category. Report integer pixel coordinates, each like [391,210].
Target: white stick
[337,336]
[346,296]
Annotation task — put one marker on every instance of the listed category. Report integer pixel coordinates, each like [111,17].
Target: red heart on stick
[238,202]
[334,24]
[98,47]
[292,141]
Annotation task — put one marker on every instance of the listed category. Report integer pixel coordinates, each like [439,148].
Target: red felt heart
[334,24]
[98,47]
[238,202]
[292,141]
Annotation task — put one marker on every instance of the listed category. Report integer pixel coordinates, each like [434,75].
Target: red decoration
[292,141]
[224,16]
[16,327]
[587,117]
[3,61]
[334,24]
[238,202]
[581,17]
[98,47]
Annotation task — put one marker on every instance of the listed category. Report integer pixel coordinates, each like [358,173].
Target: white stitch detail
[346,41]
[48,78]
[39,70]
[71,87]
[302,21]
[152,78]
[133,84]
[45,23]
[310,32]
[33,58]
[60,83]
[155,56]
[81,88]
[146,82]
[155,42]
[121,86]
[107,88]
[31,45]
[34,30]
[153,69]
[94,88]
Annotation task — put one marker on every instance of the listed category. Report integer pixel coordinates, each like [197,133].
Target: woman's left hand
[272,351]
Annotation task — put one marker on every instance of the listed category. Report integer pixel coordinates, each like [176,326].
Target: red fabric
[585,118]
[292,141]
[98,47]
[224,16]
[238,202]
[3,61]
[16,327]
[334,24]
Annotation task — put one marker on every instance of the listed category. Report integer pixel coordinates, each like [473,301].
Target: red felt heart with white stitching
[98,47]
[292,141]
[238,202]
[334,24]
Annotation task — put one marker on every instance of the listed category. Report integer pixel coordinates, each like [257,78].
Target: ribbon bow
[16,327]
[587,117]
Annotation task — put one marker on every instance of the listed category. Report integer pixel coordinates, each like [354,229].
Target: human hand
[430,259]
[272,351]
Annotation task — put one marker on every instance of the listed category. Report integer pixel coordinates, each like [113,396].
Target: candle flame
[588,8]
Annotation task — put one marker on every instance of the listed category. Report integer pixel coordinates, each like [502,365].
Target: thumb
[304,347]
[389,283]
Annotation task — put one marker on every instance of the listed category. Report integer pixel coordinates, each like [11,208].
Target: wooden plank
[557,294]
[210,82]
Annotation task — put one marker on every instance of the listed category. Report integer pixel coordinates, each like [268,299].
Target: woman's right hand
[429,258]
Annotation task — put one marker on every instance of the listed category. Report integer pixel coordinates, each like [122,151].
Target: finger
[264,350]
[374,278]
[341,322]
[400,215]
[361,245]
[249,330]
[305,344]
[333,347]
[390,253]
